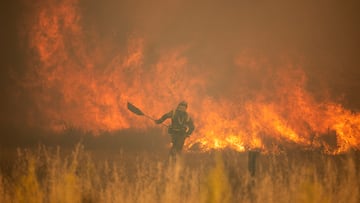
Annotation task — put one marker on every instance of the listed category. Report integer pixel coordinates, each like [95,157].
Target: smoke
[321,36]
[247,68]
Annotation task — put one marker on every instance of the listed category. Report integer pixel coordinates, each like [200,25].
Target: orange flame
[83,80]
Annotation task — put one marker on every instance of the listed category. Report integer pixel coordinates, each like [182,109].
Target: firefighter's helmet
[182,106]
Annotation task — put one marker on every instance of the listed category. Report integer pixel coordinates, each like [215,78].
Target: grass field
[53,174]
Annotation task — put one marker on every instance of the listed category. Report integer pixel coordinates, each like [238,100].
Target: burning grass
[50,174]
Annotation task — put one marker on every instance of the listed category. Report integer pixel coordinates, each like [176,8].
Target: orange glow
[85,82]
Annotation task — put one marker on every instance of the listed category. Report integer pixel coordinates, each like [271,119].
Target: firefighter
[180,128]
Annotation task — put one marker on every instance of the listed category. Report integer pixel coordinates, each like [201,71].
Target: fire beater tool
[138,112]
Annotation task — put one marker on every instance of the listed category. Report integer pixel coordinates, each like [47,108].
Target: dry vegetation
[50,174]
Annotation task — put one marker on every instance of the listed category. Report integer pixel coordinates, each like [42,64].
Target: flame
[84,80]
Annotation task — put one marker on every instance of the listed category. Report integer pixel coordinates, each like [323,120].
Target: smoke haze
[76,63]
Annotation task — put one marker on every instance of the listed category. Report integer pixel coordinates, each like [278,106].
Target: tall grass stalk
[55,175]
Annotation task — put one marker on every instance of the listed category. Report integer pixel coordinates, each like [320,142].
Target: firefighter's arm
[164,117]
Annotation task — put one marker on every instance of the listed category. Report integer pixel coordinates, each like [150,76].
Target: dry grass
[53,175]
